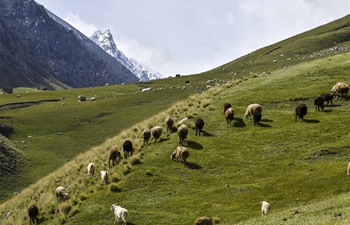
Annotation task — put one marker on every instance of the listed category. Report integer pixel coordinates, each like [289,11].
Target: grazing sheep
[113,155]
[257,117]
[340,89]
[226,106]
[300,111]
[348,171]
[104,176]
[265,207]
[182,131]
[146,89]
[91,169]
[146,135]
[169,122]
[204,221]
[61,194]
[81,98]
[327,98]
[252,109]
[180,153]
[156,132]
[32,213]
[119,212]
[127,148]
[229,115]
[199,126]
[319,103]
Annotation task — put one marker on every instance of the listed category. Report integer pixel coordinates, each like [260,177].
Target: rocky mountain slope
[37,50]
[105,41]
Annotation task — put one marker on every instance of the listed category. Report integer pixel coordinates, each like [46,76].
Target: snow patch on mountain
[106,42]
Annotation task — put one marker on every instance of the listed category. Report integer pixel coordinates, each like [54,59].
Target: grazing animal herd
[340,90]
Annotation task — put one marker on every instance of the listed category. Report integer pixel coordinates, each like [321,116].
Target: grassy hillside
[294,166]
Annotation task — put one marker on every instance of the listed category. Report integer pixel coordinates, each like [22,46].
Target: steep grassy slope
[230,169]
[62,128]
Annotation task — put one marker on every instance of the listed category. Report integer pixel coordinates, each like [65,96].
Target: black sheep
[300,111]
[226,106]
[32,213]
[319,103]
[199,126]
[327,98]
[257,117]
[127,147]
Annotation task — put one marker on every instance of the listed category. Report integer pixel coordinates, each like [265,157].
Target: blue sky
[193,36]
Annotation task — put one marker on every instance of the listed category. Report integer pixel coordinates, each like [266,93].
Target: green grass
[230,170]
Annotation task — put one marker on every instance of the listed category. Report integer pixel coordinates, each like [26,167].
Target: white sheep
[180,153]
[265,207]
[119,212]
[179,123]
[340,88]
[348,171]
[182,131]
[104,176]
[61,193]
[146,89]
[253,109]
[156,132]
[91,168]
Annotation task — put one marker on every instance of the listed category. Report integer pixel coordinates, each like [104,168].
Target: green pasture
[297,167]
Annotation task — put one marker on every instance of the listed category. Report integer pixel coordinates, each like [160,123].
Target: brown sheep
[229,115]
[169,122]
[113,155]
[180,153]
[204,221]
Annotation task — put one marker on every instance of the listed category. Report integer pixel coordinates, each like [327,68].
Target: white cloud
[193,36]
[86,28]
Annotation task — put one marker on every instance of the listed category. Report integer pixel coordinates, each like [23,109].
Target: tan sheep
[253,109]
[169,122]
[156,132]
[229,115]
[180,153]
[182,131]
[340,89]
[348,171]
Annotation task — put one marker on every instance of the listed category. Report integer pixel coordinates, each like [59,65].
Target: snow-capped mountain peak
[106,42]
